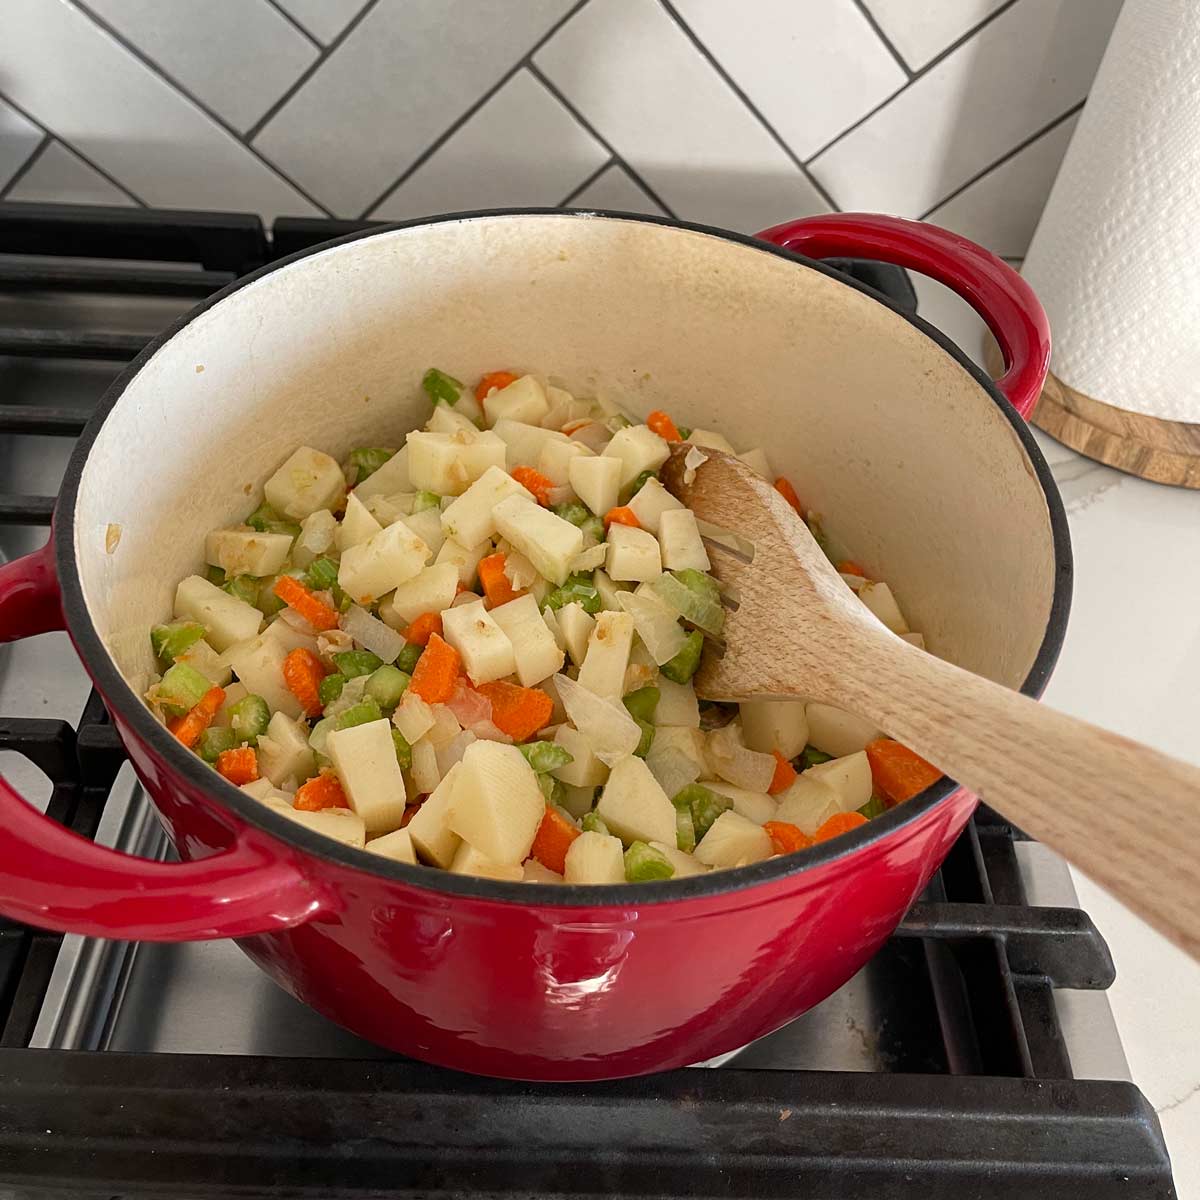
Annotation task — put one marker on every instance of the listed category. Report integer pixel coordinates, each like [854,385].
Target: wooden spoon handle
[1126,815]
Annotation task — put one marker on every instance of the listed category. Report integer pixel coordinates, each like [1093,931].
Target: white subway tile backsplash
[59,176]
[922,29]
[652,95]
[324,19]
[810,78]
[616,189]
[236,56]
[401,78]
[1020,72]
[19,138]
[521,148]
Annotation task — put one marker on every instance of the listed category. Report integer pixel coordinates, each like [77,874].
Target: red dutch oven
[917,460]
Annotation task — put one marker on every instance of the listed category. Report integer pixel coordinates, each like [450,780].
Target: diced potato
[430,591]
[879,599]
[715,441]
[448,463]
[586,770]
[413,717]
[261,789]
[424,772]
[536,652]
[338,823]
[523,400]
[677,704]
[576,626]
[397,845]
[469,518]
[388,480]
[679,541]
[917,639]
[849,776]
[432,838]
[427,525]
[684,864]
[357,525]
[373,568]
[634,806]
[639,449]
[603,669]
[754,806]
[774,725]
[203,658]
[226,619]
[317,533]
[757,461]
[284,752]
[657,624]
[246,551]
[836,732]
[469,861]
[524,442]
[651,501]
[445,419]
[465,559]
[307,481]
[532,871]
[597,481]
[365,759]
[555,460]
[808,804]
[633,554]
[732,841]
[497,805]
[549,542]
[609,591]
[486,651]
[595,858]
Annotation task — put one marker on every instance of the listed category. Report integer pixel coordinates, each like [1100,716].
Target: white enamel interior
[917,472]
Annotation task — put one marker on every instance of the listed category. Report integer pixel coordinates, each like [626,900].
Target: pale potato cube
[657,624]
[357,525]
[373,568]
[413,717]
[532,871]
[754,806]
[469,861]
[609,591]
[595,858]
[427,525]
[485,649]
[849,776]
[284,752]
[424,772]
[226,619]
[497,804]
[430,591]
[608,648]
[633,554]
[536,652]
[246,551]
[445,419]
[808,804]
[387,480]
[639,449]
[756,459]
[307,481]
[732,841]
[524,442]
[340,824]
[634,806]
[466,559]
[576,627]
[317,533]
[650,502]
[586,770]
[555,460]
[838,733]
[365,759]
[679,541]
[469,518]
[879,599]
[397,845]
[432,838]
[549,542]
[684,864]
[203,658]
[596,481]
[715,441]
[769,725]
[261,789]
[523,400]
[448,463]
[677,704]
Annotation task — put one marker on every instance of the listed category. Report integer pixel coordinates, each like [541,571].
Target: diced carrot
[238,766]
[493,379]
[421,628]
[518,711]
[898,773]
[838,824]
[784,488]
[196,720]
[784,777]
[322,791]
[621,515]
[554,837]
[661,424]
[497,587]
[534,481]
[436,673]
[303,672]
[786,837]
[296,596]
[849,567]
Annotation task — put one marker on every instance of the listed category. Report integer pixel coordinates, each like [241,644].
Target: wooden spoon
[1126,815]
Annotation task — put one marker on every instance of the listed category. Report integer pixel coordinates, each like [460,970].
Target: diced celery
[330,688]
[182,687]
[685,830]
[440,387]
[647,739]
[818,531]
[683,666]
[693,601]
[873,808]
[352,663]
[643,863]
[244,587]
[322,574]
[642,703]
[175,638]
[248,718]
[591,823]
[552,789]
[637,485]
[214,575]
[703,584]
[685,432]
[424,500]
[403,750]
[704,805]
[358,714]
[593,527]
[545,756]
[266,520]
[578,588]
[386,685]
[215,740]
[367,460]
[340,598]
[407,658]
[268,603]
[812,756]
[571,510]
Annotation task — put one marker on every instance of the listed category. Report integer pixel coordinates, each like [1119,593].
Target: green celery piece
[683,666]
[571,510]
[578,588]
[368,460]
[818,531]
[249,718]
[175,638]
[873,808]
[552,789]
[591,823]
[424,500]
[244,587]
[352,663]
[386,685]
[700,582]
[685,432]
[403,750]
[215,740]
[812,756]
[704,804]
[643,863]
[214,575]
[440,387]
[593,527]
[321,575]
[358,714]
[544,757]
[340,598]
[407,658]
[692,601]
[685,830]
[636,486]
[642,703]
[266,520]
[268,603]
[183,687]
[647,739]
[330,688]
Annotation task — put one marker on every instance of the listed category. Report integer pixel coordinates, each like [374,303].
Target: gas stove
[975,1055]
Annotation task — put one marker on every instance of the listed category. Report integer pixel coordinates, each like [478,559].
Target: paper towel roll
[1116,256]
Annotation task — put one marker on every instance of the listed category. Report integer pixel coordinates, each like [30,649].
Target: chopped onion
[591,434]
[673,769]
[589,559]
[291,617]
[521,573]
[372,634]
[732,761]
[609,729]
[334,641]
[691,461]
[485,731]
[413,717]
[468,706]
[451,752]
[657,624]
[445,725]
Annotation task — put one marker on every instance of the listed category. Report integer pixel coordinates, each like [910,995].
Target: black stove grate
[992,1110]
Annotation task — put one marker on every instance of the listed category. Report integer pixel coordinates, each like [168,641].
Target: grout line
[917,74]
[23,169]
[883,37]
[741,95]
[157,69]
[75,150]
[563,203]
[309,72]
[1033,137]
[287,16]
[465,116]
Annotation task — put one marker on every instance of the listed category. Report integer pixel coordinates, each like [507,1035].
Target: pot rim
[134,713]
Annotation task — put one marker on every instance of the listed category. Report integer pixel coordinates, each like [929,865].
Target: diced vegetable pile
[475,652]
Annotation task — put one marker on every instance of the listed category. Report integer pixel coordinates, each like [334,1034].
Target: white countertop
[1131,663]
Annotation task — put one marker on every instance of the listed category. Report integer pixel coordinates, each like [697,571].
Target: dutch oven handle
[56,879]
[989,285]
